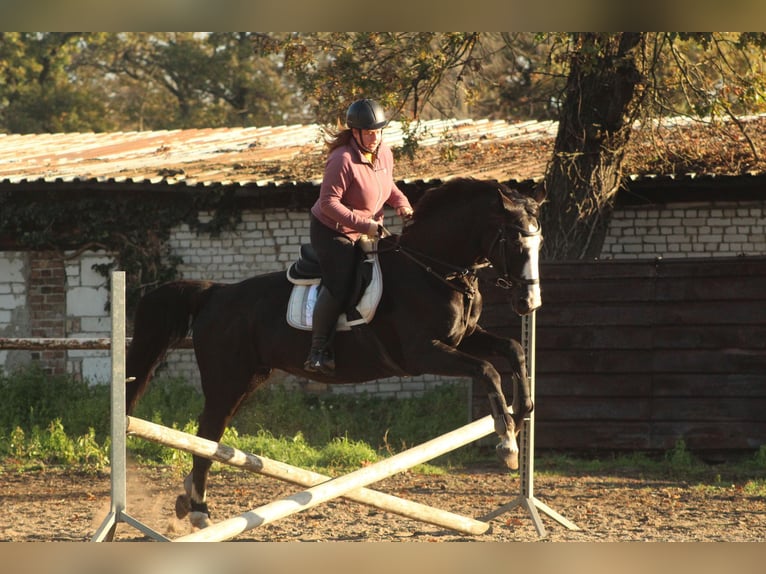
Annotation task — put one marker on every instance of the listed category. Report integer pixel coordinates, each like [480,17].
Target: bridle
[505,280]
[468,275]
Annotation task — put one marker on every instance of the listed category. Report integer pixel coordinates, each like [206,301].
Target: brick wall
[720,229]
[46,299]
[43,295]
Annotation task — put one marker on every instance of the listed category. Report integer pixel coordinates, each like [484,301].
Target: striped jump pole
[295,475]
[342,485]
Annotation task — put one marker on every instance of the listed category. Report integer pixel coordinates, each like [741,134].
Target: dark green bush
[32,398]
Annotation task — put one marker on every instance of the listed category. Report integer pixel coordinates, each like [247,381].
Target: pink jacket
[354,191]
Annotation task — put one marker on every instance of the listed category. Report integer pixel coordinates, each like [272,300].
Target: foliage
[48,419]
[388,423]
[136,232]
[53,446]
[614,79]
[594,83]
[170,401]
[37,93]
[32,399]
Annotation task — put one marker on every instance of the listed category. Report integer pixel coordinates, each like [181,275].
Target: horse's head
[486,221]
[514,248]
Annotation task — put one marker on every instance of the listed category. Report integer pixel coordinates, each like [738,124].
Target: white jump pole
[293,474]
[344,484]
[526,497]
[118,512]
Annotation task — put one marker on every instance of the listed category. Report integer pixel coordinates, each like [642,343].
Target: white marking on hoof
[199,519]
[508,451]
[509,458]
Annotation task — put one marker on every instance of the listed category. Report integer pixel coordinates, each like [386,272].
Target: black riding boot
[326,310]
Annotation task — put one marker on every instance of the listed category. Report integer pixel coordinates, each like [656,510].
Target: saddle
[306,275]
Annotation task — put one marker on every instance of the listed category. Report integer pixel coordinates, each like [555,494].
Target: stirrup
[320,361]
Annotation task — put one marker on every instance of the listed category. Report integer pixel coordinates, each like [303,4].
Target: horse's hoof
[199,519]
[183,505]
[508,457]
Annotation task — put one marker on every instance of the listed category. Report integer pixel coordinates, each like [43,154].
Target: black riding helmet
[366,114]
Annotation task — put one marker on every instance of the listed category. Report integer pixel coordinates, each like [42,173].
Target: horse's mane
[464,189]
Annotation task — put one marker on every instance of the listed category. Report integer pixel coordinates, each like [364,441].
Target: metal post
[526,497]
[117,512]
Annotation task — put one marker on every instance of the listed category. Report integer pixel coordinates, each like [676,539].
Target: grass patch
[57,420]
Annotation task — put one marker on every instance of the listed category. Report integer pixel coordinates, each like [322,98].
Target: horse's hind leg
[216,415]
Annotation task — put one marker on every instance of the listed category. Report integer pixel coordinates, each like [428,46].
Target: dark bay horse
[427,320]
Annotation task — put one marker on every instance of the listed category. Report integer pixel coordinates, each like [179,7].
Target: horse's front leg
[487,345]
[441,359]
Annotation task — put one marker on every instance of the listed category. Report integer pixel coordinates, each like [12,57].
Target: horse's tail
[163,319]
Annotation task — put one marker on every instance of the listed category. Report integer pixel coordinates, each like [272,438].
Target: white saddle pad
[300,307]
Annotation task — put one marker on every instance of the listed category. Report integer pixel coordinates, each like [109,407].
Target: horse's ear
[539,192]
[506,200]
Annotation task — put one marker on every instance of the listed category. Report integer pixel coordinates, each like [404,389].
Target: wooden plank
[709,385]
[639,354]
[712,409]
[659,436]
[727,288]
[593,409]
[704,435]
[558,270]
[601,385]
[584,435]
[709,313]
[597,291]
[594,361]
[67,344]
[703,337]
[595,315]
[697,268]
[609,337]
[742,361]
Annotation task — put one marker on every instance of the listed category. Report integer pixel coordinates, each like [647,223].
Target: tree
[37,93]
[613,80]
[169,80]
[595,120]
[410,72]
[596,84]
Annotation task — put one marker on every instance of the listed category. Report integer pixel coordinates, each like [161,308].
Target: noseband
[505,280]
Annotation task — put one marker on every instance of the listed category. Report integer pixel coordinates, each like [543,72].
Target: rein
[467,274]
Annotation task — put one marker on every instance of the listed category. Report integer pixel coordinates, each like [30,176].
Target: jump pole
[526,497]
[295,475]
[118,511]
[342,485]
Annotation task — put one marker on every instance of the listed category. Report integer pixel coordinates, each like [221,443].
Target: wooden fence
[637,355]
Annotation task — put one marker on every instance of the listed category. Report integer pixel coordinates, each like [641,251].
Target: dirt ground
[61,505]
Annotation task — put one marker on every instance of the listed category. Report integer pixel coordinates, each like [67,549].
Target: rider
[358,180]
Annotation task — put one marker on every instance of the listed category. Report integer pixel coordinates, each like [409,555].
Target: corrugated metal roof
[221,156]
[291,155]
